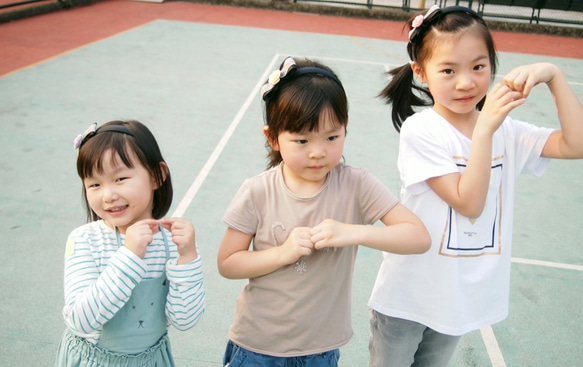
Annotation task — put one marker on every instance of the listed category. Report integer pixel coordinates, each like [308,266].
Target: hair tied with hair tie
[418,21]
[276,76]
[91,130]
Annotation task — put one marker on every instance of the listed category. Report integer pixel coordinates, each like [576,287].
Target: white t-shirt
[462,283]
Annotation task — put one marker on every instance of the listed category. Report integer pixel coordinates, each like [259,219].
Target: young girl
[305,215]
[459,167]
[127,273]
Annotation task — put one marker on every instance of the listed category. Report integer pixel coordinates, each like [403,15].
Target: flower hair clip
[420,19]
[91,130]
[276,77]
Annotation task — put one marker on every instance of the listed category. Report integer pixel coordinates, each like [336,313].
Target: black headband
[289,71]
[92,130]
[422,22]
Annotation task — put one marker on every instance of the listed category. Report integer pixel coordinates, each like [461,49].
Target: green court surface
[196,86]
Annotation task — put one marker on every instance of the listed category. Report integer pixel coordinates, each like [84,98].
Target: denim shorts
[236,356]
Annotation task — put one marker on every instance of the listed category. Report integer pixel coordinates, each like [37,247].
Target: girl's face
[120,195]
[457,74]
[309,156]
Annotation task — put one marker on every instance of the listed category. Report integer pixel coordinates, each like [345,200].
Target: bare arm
[235,261]
[466,193]
[403,233]
[566,143]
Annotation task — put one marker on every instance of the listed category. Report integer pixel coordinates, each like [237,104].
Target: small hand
[330,233]
[297,244]
[499,102]
[524,78]
[139,235]
[184,238]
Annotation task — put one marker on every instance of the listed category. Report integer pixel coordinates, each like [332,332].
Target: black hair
[402,91]
[298,103]
[138,141]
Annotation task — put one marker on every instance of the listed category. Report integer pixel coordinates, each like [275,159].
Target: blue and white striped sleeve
[93,293]
[186,298]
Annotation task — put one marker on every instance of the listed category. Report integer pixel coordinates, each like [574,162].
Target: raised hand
[523,78]
[330,233]
[297,244]
[184,238]
[139,235]
[499,102]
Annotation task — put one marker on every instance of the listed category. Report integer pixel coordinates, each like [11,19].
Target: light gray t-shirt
[302,308]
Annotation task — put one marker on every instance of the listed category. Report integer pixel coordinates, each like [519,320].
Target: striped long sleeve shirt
[100,276]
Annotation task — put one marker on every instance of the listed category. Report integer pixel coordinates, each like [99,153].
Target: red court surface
[35,39]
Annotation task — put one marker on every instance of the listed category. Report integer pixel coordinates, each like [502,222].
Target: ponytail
[400,92]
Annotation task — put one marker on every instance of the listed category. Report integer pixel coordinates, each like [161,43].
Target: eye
[333,137]
[121,179]
[447,71]
[302,141]
[90,184]
[479,67]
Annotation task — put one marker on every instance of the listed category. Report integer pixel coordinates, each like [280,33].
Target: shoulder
[91,230]
[347,175]
[517,128]
[426,123]
[262,181]
[347,170]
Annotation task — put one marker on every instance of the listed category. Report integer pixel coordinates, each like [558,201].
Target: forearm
[474,182]
[466,192]
[570,113]
[402,238]
[186,298]
[91,298]
[251,264]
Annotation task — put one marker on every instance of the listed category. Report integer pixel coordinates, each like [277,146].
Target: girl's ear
[273,143]
[164,169]
[418,71]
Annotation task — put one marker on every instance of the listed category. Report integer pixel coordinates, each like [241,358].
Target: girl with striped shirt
[128,273]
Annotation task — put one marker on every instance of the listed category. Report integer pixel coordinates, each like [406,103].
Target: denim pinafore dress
[135,336]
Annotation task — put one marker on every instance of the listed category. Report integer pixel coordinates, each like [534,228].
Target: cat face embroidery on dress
[141,322]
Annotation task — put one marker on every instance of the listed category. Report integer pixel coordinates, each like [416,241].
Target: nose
[464,81]
[317,151]
[109,193]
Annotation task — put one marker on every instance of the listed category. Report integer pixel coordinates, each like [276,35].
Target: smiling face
[309,156]
[458,75]
[118,194]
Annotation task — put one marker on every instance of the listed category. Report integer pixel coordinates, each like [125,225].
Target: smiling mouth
[116,210]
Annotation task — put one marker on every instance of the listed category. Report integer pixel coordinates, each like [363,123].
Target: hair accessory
[276,76]
[93,130]
[81,137]
[288,68]
[418,21]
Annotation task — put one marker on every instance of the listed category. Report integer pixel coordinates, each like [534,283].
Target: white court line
[547,264]
[492,347]
[192,191]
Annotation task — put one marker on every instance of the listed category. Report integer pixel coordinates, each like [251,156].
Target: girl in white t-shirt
[305,216]
[459,161]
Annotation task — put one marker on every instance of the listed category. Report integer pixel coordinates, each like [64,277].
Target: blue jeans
[236,356]
[399,343]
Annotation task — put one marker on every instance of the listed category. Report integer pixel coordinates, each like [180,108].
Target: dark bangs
[300,104]
[138,148]
[91,155]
